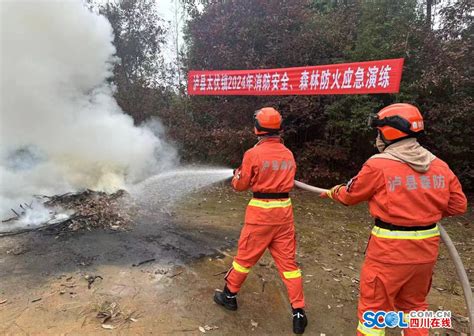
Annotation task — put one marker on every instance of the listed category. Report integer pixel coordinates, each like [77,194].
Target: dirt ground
[44,288]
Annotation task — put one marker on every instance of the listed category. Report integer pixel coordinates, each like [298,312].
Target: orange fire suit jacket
[401,196]
[268,167]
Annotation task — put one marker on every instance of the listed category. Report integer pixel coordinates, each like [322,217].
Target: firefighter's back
[414,200]
[274,170]
[411,198]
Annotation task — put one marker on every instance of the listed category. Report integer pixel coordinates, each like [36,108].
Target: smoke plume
[61,129]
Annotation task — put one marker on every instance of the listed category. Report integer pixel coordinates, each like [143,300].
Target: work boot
[299,321]
[226,298]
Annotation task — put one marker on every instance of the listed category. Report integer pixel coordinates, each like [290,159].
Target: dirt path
[43,278]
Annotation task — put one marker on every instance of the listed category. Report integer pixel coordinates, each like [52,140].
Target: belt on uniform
[391,231]
[270,195]
[270,204]
[387,226]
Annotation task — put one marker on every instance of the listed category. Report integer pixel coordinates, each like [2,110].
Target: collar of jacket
[270,138]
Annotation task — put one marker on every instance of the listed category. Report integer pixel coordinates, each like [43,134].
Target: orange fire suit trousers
[280,240]
[393,287]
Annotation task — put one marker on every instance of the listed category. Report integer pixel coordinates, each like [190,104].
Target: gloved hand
[331,192]
[236,173]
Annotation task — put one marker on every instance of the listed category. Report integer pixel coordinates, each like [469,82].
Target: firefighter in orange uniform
[409,190]
[268,169]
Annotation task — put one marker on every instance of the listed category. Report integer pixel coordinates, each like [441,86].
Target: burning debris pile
[93,209]
[79,211]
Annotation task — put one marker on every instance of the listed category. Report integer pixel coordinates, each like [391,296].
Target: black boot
[299,321]
[227,299]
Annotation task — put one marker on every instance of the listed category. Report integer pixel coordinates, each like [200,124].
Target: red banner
[348,78]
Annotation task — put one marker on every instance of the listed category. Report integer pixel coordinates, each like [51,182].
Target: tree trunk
[429,5]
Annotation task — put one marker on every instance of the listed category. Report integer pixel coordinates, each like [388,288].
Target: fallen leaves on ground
[112,315]
[92,209]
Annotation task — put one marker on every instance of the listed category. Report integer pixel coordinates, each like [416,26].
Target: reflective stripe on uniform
[423,234]
[292,274]
[240,268]
[270,204]
[370,331]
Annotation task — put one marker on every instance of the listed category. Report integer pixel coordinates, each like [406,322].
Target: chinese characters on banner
[349,78]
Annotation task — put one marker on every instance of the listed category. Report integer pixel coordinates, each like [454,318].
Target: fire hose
[453,253]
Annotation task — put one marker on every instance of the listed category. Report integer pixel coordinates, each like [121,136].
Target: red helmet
[267,121]
[398,121]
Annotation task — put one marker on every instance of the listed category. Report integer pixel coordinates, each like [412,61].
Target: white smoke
[61,129]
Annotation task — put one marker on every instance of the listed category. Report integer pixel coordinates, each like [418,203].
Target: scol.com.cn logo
[414,319]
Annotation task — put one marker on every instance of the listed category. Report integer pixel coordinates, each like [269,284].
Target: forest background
[327,133]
